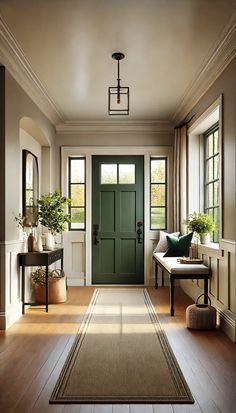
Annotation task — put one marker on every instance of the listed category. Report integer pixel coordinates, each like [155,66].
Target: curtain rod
[184,123]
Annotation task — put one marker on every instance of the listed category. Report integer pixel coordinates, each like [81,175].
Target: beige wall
[226,85]
[222,260]
[18,105]
[15,105]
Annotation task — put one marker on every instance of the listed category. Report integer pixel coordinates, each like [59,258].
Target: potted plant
[52,215]
[56,285]
[202,224]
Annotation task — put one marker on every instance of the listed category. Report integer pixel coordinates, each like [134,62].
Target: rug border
[184,399]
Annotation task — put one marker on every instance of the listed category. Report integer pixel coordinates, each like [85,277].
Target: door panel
[128,256]
[117,207]
[107,211]
[127,211]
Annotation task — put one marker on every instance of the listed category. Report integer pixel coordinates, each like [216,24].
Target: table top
[40,258]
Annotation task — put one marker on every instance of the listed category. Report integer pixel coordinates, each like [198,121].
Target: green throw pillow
[178,247]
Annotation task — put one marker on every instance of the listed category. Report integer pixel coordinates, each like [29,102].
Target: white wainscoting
[222,285]
[74,257]
[11,287]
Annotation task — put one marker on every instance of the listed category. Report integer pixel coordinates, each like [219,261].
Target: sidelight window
[77,193]
[158,194]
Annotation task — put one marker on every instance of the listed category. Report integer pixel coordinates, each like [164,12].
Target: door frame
[149,235]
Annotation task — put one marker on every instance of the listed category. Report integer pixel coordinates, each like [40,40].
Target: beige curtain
[180,178]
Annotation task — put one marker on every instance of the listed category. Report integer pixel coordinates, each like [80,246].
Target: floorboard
[33,351]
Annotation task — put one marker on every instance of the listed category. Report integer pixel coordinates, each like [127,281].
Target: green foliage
[52,211]
[39,275]
[200,223]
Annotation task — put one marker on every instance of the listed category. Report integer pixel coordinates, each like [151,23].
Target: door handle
[139,232]
[95,234]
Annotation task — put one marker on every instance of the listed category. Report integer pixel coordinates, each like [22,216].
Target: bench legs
[172,294]
[156,274]
[205,290]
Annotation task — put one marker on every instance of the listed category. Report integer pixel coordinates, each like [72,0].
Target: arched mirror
[30,188]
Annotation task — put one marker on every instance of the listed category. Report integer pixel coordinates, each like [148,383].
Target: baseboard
[226,318]
[8,318]
[75,282]
[227,323]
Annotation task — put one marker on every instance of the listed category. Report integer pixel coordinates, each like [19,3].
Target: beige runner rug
[121,355]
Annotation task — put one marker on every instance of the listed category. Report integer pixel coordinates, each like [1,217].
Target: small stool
[201,316]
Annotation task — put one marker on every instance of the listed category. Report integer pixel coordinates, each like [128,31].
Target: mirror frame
[32,220]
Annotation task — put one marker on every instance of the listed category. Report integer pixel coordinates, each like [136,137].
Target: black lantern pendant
[118,97]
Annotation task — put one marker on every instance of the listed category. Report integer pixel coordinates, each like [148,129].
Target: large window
[158,193]
[211,177]
[77,193]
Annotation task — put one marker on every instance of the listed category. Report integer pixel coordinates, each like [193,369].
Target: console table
[41,259]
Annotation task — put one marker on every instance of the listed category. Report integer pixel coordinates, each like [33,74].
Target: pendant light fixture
[118,97]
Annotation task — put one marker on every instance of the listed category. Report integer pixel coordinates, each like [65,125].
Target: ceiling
[69,44]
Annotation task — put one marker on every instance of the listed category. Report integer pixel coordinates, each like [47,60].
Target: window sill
[212,248]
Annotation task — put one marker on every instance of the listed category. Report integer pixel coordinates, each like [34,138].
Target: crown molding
[15,61]
[121,126]
[216,62]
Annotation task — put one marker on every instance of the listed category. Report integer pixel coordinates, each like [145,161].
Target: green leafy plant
[39,275]
[200,223]
[52,211]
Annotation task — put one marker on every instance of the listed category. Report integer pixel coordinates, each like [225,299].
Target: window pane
[158,170]
[209,166]
[158,218]
[216,167]
[216,193]
[209,196]
[126,174]
[77,170]
[77,195]
[109,174]
[216,141]
[210,145]
[157,195]
[77,218]
[216,222]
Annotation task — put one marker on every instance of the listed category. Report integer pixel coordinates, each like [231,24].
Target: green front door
[117,220]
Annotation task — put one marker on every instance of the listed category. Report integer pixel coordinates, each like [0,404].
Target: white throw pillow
[162,245]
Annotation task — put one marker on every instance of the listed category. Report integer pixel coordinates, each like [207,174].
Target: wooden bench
[179,271]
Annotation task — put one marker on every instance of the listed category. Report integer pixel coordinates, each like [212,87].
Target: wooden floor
[33,351]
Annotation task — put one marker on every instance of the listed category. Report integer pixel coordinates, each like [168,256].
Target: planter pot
[205,238]
[56,291]
[49,241]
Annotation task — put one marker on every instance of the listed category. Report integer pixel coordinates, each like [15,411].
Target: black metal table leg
[23,290]
[172,292]
[46,288]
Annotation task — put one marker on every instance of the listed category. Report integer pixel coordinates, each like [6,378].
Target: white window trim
[147,152]
[195,135]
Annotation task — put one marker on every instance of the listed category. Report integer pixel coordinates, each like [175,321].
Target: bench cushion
[172,266]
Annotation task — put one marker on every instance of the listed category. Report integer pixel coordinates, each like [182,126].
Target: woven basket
[201,316]
[56,289]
